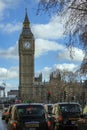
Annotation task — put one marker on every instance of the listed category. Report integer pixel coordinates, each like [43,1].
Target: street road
[3,125]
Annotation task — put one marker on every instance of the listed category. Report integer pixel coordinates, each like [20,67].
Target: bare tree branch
[75,12]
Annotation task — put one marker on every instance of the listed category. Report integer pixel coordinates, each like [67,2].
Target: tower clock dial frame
[26,45]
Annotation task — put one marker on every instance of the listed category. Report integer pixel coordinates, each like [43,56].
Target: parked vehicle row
[8,114]
[37,116]
[4,112]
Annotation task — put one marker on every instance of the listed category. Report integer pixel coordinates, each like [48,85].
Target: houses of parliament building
[33,88]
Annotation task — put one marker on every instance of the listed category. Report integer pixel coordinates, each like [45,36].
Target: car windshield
[70,108]
[31,110]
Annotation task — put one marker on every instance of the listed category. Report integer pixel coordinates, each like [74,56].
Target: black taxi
[65,115]
[28,117]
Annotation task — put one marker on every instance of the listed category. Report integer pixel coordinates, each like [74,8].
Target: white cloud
[2,8]
[3,73]
[77,55]
[7,4]
[46,72]
[53,30]
[2,5]
[11,52]
[43,46]
[10,27]
[10,78]
[11,73]
[66,66]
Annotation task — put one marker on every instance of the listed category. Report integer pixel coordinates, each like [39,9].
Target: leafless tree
[83,69]
[75,13]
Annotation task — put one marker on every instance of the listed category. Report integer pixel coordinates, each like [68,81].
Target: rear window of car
[31,110]
[70,108]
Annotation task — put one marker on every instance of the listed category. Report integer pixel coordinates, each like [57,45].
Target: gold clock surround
[27,45]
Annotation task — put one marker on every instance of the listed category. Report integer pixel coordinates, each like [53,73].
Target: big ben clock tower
[26,61]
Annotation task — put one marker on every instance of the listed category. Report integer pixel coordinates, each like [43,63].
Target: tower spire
[26,22]
[26,30]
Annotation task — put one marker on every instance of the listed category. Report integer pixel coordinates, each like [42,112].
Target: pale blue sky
[50,49]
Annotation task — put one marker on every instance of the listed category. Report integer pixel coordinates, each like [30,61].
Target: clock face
[26,45]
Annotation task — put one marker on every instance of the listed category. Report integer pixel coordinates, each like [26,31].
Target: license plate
[73,122]
[32,128]
[32,125]
[73,119]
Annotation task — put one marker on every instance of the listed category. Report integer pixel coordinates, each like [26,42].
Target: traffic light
[48,96]
[64,95]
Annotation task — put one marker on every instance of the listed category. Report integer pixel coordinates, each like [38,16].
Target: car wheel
[76,128]
[6,121]
[56,127]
